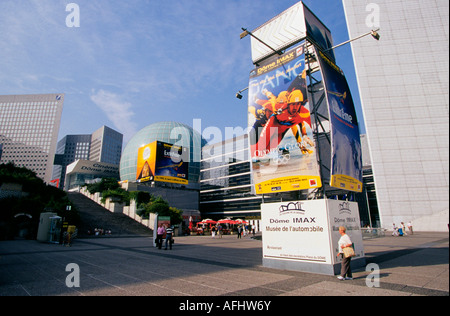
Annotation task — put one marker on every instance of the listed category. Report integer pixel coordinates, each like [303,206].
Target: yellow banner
[291,183]
[345,182]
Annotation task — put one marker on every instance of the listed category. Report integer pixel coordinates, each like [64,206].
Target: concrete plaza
[202,266]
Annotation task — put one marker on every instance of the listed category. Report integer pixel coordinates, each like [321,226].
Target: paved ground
[201,266]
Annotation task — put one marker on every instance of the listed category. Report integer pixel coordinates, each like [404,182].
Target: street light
[239,95]
[374,34]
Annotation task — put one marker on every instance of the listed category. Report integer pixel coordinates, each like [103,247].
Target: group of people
[217,229]
[164,229]
[244,230]
[401,230]
[99,232]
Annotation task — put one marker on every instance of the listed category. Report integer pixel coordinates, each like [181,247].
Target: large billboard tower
[303,135]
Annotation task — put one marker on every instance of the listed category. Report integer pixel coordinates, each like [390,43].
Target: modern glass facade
[106,145]
[29,126]
[225,180]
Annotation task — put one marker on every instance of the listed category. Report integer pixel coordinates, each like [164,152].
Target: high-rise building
[29,126]
[403,82]
[104,145]
[70,149]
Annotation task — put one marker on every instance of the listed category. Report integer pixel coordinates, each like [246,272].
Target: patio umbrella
[226,221]
[208,221]
[241,221]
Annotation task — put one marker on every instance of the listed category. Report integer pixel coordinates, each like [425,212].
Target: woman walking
[345,242]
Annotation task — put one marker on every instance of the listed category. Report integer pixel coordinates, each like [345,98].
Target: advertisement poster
[281,146]
[146,163]
[346,160]
[159,161]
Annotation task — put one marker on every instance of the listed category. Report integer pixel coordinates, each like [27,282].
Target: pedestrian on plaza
[403,228]
[400,229]
[159,235]
[344,242]
[169,237]
[219,230]
[239,232]
[410,228]
[213,231]
[395,231]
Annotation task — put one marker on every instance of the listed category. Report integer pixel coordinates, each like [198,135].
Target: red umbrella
[226,221]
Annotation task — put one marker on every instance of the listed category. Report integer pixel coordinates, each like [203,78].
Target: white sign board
[343,213]
[303,235]
[280,32]
[288,28]
[296,231]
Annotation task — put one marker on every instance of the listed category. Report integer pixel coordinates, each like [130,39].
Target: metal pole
[351,40]
[315,118]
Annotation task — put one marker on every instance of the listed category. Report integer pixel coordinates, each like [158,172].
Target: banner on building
[159,161]
[281,146]
[346,160]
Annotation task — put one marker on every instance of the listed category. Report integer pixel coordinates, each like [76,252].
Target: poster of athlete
[346,160]
[281,142]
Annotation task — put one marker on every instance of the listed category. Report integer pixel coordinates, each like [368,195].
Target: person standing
[239,232]
[159,235]
[410,228]
[169,236]
[219,230]
[344,242]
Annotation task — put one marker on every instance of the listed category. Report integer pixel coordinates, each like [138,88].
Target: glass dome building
[168,132]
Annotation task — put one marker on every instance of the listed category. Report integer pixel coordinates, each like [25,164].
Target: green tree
[161,206]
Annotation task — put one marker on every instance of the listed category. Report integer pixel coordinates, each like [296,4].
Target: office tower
[403,81]
[70,149]
[29,126]
[104,145]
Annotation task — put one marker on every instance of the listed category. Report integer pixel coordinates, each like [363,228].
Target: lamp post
[374,34]
[239,95]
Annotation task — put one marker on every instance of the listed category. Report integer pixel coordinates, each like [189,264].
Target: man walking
[169,234]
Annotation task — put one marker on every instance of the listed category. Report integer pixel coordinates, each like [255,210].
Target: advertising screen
[346,160]
[159,161]
[281,146]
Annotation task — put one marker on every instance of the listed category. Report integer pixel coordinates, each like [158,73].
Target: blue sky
[137,62]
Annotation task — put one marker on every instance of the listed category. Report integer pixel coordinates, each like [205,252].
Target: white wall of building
[403,80]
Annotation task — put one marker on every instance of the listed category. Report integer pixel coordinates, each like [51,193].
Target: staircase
[93,215]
